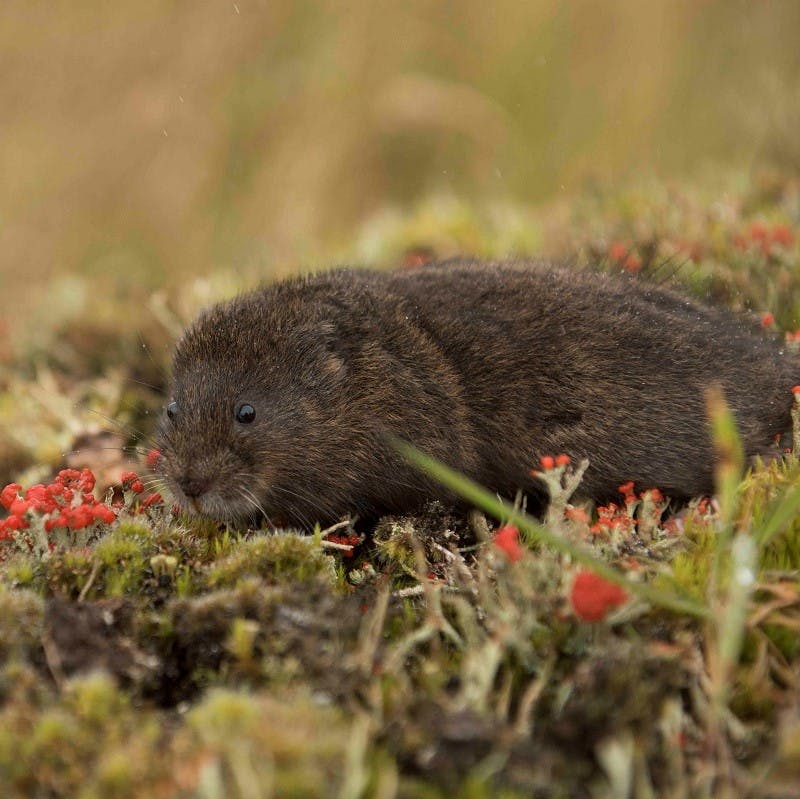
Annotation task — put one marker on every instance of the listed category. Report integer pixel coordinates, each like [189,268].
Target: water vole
[282,397]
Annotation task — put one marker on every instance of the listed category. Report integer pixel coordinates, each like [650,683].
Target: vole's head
[255,386]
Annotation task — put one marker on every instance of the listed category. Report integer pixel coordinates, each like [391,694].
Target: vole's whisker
[157,389]
[159,368]
[663,279]
[151,483]
[250,498]
[129,430]
[320,510]
[84,450]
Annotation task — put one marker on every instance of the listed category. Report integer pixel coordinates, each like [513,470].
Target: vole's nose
[194,486]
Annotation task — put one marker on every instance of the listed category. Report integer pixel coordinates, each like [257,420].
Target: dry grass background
[149,141]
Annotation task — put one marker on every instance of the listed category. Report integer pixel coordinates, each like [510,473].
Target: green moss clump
[22,570]
[752,697]
[124,555]
[292,747]
[95,699]
[22,614]
[764,490]
[394,542]
[75,745]
[276,559]
[68,571]
[691,568]
[782,553]
[116,566]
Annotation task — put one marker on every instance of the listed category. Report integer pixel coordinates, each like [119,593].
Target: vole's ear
[336,356]
[330,357]
[335,365]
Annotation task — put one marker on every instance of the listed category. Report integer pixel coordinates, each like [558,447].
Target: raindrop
[745,576]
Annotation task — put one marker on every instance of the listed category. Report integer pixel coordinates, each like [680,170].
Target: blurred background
[151,142]
[155,156]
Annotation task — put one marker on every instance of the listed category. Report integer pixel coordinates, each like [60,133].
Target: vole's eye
[172,410]
[245,414]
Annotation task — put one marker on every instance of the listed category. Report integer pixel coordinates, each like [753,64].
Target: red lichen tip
[9,494]
[151,499]
[577,515]
[19,507]
[152,459]
[345,540]
[617,251]
[507,539]
[562,460]
[131,482]
[795,390]
[15,523]
[767,319]
[592,596]
[633,263]
[547,462]
[783,235]
[103,513]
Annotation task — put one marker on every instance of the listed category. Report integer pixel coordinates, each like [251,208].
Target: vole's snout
[194,486]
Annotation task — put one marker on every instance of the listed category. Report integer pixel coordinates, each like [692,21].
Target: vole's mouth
[228,502]
[208,504]
[212,506]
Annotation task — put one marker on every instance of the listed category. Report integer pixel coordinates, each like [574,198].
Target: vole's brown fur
[484,366]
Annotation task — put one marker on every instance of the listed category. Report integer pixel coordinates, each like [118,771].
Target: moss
[220,546]
[22,570]
[184,582]
[241,642]
[292,747]
[115,775]
[68,571]
[394,540]
[690,569]
[782,553]
[95,699]
[136,530]
[22,615]
[416,788]
[124,556]
[177,540]
[280,558]
[79,744]
[116,566]
[208,538]
[764,489]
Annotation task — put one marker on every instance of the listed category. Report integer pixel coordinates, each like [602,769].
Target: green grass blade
[784,510]
[729,460]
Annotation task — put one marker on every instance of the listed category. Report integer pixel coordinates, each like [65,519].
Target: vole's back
[595,366]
